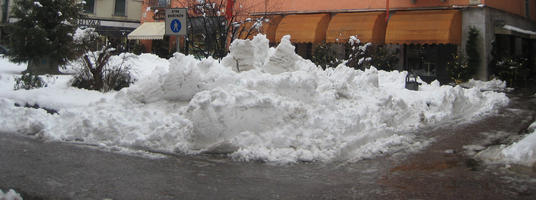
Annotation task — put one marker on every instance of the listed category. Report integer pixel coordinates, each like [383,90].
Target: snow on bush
[275,106]
[10,195]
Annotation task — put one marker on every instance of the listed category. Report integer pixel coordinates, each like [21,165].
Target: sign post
[176,22]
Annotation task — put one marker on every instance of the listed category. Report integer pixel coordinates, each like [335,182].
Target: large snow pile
[258,103]
[10,195]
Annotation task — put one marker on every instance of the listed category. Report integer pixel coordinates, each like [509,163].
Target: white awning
[519,30]
[513,30]
[149,31]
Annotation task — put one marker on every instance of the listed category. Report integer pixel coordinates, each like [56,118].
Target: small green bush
[324,56]
[459,69]
[29,81]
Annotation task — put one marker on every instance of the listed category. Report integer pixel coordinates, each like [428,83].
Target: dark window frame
[124,7]
[89,5]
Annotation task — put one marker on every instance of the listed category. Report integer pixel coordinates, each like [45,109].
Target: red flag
[229,9]
[386,10]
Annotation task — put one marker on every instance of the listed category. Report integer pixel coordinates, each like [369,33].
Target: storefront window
[120,7]
[429,61]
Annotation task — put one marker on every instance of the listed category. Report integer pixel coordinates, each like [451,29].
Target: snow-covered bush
[29,81]
[96,72]
[363,56]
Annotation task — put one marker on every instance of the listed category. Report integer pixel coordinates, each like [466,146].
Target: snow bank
[275,106]
[524,151]
[493,85]
[10,195]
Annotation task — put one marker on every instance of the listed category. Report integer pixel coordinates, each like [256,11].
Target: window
[162,3]
[120,7]
[89,7]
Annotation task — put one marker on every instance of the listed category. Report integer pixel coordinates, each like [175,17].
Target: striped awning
[149,31]
[367,26]
[303,28]
[425,27]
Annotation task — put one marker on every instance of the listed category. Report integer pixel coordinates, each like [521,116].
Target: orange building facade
[424,32]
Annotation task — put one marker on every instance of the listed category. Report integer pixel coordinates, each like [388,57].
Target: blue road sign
[175,26]
[175,20]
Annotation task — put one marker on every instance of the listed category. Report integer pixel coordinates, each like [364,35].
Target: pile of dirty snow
[258,103]
[522,152]
[10,195]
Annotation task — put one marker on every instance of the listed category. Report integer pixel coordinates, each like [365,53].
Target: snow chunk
[84,34]
[284,59]
[10,195]
[248,54]
[38,4]
[524,151]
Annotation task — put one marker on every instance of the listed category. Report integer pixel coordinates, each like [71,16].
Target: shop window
[89,7]
[120,7]
[429,61]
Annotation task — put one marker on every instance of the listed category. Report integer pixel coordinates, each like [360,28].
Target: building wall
[479,18]
[303,6]
[104,9]
[513,6]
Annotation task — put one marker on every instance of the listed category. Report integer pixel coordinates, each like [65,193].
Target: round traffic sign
[175,26]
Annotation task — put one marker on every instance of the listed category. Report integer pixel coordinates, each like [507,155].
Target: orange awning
[368,26]
[268,28]
[425,27]
[303,28]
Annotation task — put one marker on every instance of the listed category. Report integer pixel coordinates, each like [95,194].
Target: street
[40,169]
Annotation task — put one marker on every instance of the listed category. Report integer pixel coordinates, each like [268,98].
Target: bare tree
[210,32]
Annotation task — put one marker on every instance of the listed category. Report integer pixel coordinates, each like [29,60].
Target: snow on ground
[522,152]
[493,85]
[10,195]
[258,103]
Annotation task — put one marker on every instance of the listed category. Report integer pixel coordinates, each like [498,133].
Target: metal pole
[178,44]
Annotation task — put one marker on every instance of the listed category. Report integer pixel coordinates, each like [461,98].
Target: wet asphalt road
[52,170]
